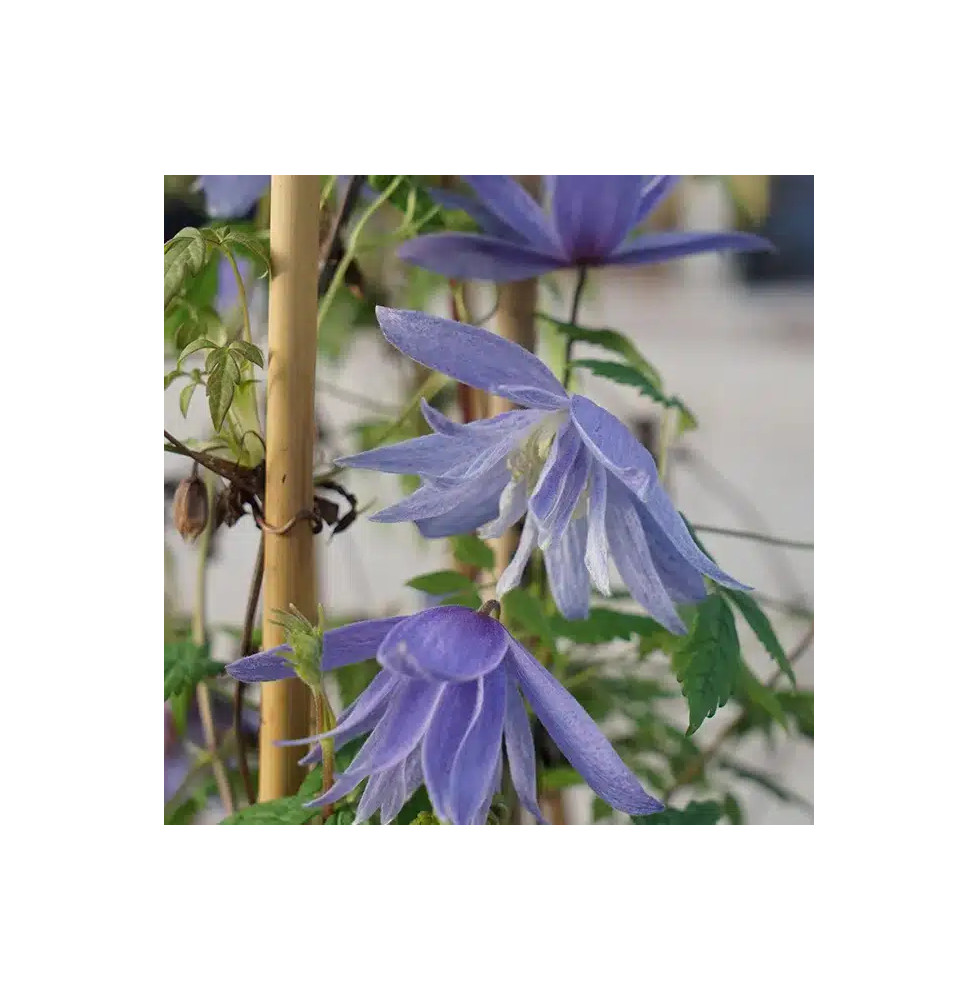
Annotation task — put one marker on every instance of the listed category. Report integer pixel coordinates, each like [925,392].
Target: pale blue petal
[230,196]
[466,257]
[267,665]
[513,573]
[511,202]
[400,730]
[579,739]
[654,192]
[510,507]
[592,215]
[596,552]
[652,248]
[683,582]
[519,749]
[450,723]
[431,455]
[378,788]
[463,520]
[571,491]
[563,451]
[445,643]
[567,571]
[356,642]
[471,355]
[475,762]
[630,550]
[344,784]
[432,499]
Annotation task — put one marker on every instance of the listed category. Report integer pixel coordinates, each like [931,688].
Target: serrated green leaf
[170,377]
[761,626]
[249,351]
[200,344]
[288,811]
[611,340]
[183,257]
[224,377]
[526,609]
[252,244]
[707,663]
[473,551]
[186,394]
[606,624]
[627,375]
[443,581]
[695,814]
[185,664]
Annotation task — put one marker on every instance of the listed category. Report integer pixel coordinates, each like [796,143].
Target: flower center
[527,460]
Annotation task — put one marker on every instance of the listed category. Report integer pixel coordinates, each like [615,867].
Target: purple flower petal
[519,750]
[356,642]
[630,550]
[579,739]
[655,247]
[463,519]
[683,582]
[510,507]
[450,723]
[229,196]
[592,215]
[571,491]
[430,455]
[481,430]
[379,787]
[567,571]
[432,499]
[267,665]
[400,730]
[563,452]
[511,575]
[489,223]
[445,644]
[512,203]
[471,355]
[654,192]
[467,256]
[475,762]
[596,552]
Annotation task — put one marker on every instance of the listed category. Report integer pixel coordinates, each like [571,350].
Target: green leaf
[224,377]
[288,811]
[473,551]
[249,351]
[170,377]
[707,663]
[424,204]
[611,340]
[556,778]
[468,599]
[762,628]
[186,394]
[752,690]
[200,344]
[185,664]
[425,819]
[443,581]
[526,609]
[627,375]
[252,244]
[183,257]
[606,624]
[695,814]
[800,705]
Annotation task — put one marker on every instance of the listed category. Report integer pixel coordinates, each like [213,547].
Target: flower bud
[190,508]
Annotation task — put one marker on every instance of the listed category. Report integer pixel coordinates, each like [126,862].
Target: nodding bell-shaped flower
[448,698]
[586,223]
[588,492]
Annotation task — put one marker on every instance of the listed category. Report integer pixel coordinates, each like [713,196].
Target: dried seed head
[190,508]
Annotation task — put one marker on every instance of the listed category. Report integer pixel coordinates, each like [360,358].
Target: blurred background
[731,334]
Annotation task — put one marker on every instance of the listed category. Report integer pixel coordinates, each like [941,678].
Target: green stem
[754,536]
[242,295]
[351,249]
[325,721]
[569,346]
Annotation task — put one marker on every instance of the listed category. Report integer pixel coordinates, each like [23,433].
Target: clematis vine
[445,703]
[588,492]
[588,224]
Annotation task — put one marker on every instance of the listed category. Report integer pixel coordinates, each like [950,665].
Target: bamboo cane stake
[290,437]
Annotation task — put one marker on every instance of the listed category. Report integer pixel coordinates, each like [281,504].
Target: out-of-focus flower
[588,224]
[586,488]
[230,196]
[445,701]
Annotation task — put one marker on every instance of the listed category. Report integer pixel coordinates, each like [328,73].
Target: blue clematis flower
[588,225]
[446,701]
[231,196]
[587,489]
